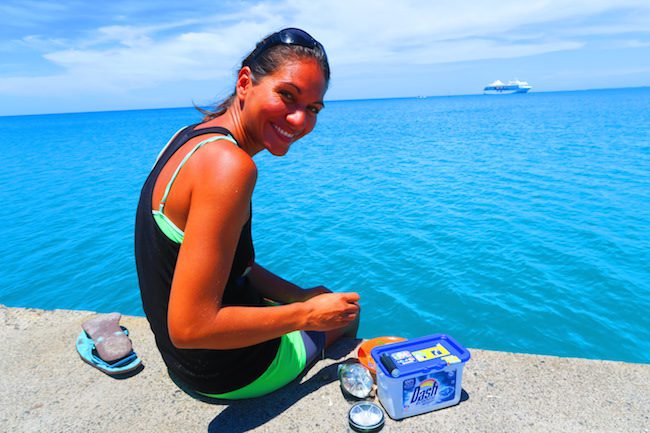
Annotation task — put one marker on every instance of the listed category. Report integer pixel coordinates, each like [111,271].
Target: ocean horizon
[516,223]
[339,100]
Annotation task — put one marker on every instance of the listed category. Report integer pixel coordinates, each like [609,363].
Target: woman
[203,294]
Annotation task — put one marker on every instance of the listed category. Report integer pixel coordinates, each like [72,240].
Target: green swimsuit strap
[177,234]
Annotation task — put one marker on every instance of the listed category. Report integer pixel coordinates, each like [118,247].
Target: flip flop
[113,346]
[86,349]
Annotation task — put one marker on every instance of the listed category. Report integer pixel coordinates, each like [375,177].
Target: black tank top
[209,371]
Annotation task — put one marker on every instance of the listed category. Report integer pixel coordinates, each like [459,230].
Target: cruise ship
[499,87]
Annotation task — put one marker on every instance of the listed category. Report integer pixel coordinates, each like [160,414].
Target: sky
[77,56]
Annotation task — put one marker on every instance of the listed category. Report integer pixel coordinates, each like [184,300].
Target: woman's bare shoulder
[221,165]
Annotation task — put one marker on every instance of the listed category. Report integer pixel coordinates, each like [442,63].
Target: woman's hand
[329,311]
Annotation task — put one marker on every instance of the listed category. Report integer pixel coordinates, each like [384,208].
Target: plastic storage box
[419,375]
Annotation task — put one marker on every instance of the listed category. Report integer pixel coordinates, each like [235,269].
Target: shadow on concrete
[244,415]
[120,376]
[128,374]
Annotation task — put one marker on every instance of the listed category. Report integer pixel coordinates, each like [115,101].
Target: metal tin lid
[424,354]
[366,417]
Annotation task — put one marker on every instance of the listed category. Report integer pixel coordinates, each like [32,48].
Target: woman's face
[282,107]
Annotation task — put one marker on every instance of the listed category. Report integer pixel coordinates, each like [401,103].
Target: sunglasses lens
[290,36]
[297,37]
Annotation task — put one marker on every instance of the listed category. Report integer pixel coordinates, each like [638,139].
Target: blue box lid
[420,355]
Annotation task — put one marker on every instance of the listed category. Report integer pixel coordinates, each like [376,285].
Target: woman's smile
[289,136]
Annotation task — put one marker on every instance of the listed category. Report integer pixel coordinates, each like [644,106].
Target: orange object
[364,350]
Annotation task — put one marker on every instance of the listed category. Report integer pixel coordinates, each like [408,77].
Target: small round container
[355,380]
[366,417]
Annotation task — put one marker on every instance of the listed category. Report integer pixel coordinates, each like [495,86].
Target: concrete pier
[45,387]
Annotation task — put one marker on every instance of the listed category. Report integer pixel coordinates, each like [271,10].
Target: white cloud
[481,49]
[378,30]
[27,13]
[636,44]
[117,58]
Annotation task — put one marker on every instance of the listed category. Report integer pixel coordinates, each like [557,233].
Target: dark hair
[264,61]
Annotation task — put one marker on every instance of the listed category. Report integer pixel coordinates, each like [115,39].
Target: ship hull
[505,90]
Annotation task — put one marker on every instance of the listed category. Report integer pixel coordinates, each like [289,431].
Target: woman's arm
[222,185]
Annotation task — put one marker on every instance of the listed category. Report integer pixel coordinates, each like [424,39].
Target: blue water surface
[518,222]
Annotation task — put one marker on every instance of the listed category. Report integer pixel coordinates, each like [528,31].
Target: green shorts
[297,349]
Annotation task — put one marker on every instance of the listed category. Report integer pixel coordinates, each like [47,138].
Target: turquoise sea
[517,223]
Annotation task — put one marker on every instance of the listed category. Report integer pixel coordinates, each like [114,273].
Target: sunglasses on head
[289,36]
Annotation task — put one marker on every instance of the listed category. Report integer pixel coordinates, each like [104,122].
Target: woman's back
[156,256]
